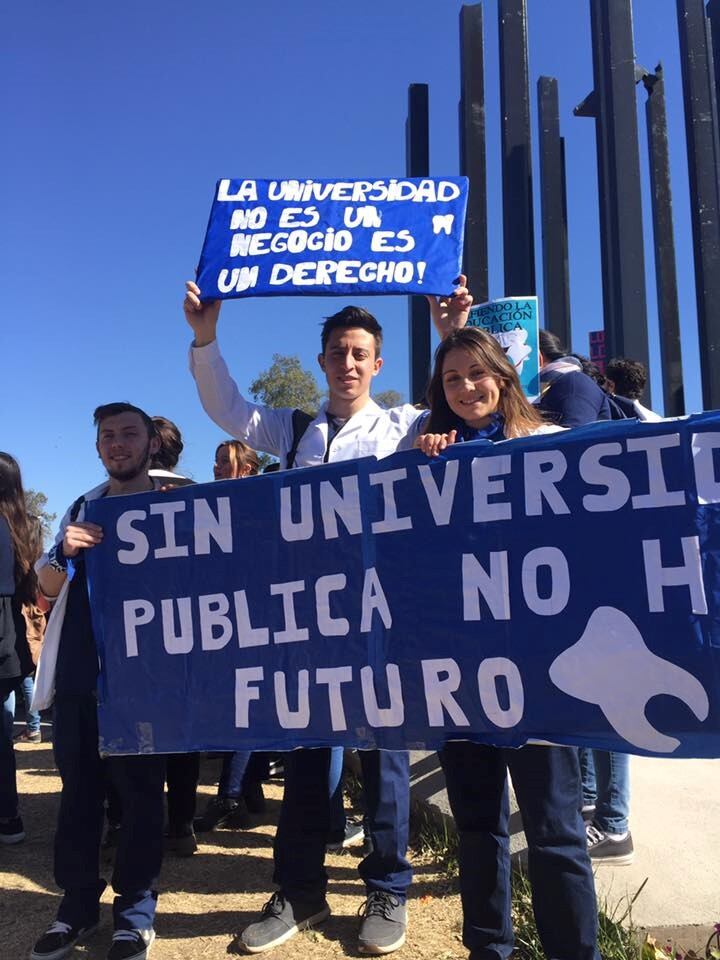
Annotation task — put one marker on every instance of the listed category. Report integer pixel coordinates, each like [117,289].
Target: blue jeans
[304,824]
[32,720]
[336,833]
[547,787]
[8,784]
[139,781]
[606,783]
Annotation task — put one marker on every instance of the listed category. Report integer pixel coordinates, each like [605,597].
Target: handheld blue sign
[327,237]
[513,321]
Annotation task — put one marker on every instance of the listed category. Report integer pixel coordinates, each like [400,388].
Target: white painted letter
[488,672]
[494,587]
[484,471]
[182,642]
[688,575]
[303,529]
[392,716]
[659,495]
[128,534]
[596,473]
[292,719]
[440,500]
[136,613]
[345,505]
[373,598]
[391,521]
[244,693]
[291,633]
[327,625]
[708,488]
[439,692]
[540,482]
[559,581]
[168,509]
[213,609]
[248,636]
[207,525]
[334,677]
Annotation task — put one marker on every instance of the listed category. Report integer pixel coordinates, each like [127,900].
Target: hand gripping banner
[565,587]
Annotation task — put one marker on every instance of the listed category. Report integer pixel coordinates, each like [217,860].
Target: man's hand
[80,536]
[451,313]
[202,317]
[432,444]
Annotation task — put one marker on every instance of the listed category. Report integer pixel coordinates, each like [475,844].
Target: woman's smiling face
[472,394]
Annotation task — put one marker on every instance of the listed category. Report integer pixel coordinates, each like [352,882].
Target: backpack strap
[75,509]
[300,422]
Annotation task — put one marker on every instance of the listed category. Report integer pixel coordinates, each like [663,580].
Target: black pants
[139,782]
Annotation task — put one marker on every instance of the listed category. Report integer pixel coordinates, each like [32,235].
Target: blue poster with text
[563,587]
[513,321]
[315,237]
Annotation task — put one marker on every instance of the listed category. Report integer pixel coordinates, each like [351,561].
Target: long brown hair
[520,417]
[23,529]
[240,455]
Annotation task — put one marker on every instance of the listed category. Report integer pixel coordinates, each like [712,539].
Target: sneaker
[276,768]
[130,944]
[354,837]
[223,812]
[384,921]
[280,919]
[181,841]
[28,736]
[607,848]
[59,939]
[11,831]
[588,812]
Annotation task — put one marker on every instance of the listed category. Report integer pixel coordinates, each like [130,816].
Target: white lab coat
[370,432]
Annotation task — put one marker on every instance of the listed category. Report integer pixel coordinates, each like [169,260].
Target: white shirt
[371,431]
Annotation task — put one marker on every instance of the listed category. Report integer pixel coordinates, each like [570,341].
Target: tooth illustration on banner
[588,671]
[443,222]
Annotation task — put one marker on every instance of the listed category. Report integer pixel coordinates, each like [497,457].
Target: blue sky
[118,120]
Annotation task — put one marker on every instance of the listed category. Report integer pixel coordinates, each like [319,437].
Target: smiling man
[348,425]
[126,442]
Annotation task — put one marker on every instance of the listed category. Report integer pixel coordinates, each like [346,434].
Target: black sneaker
[354,837]
[59,939]
[604,848]
[130,944]
[181,841]
[588,812]
[280,919]
[384,921]
[11,831]
[223,812]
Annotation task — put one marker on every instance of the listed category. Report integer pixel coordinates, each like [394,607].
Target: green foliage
[287,384]
[388,398]
[36,505]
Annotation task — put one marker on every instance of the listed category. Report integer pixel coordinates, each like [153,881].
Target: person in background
[165,461]
[568,396]
[625,381]
[239,790]
[18,585]
[572,398]
[35,616]
[475,394]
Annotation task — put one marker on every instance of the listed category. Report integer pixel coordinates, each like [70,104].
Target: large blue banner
[315,237]
[563,588]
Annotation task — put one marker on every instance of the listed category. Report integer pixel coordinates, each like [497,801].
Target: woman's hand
[451,313]
[432,444]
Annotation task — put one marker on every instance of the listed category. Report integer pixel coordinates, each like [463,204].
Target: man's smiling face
[349,363]
[124,445]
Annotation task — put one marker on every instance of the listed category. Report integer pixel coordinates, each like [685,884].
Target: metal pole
[612,103]
[472,148]
[518,231]
[417,152]
[701,136]
[556,286]
[665,272]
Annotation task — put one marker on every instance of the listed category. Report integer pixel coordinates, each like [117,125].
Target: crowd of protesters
[474,393]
